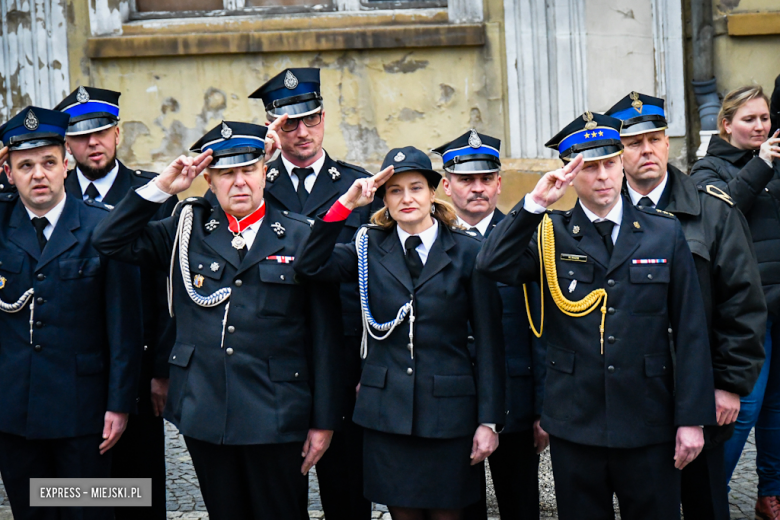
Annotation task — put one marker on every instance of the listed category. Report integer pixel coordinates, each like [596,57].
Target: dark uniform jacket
[82,360]
[630,396]
[274,376]
[439,393]
[755,188]
[159,331]
[525,355]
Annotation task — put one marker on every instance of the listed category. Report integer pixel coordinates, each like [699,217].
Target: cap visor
[234,161]
[473,167]
[305,108]
[36,143]
[596,154]
[89,126]
[644,127]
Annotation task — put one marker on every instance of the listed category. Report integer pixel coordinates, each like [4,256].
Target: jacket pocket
[560,383]
[280,295]
[454,386]
[89,364]
[74,268]
[373,376]
[659,401]
[11,262]
[210,267]
[181,353]
[290,378]
[653,280]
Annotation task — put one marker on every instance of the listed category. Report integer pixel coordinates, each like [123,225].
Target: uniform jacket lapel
[122,184]
[324,189]
[628,238]
[438,258]
[219,239]
[62,238]
[22,232]
[498,216]
[393,259]
[282,188]
[72,186]
[590,242]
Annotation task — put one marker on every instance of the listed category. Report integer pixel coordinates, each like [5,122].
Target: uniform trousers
[704,490]
[644,479]
[514,468]
[340,470]
[140,453]
[77,457]
[250,482]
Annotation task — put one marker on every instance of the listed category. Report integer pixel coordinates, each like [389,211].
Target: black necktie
[92,192]
[242,251]
[39,223]
[302,173]
[475,229]
[605,230]
[413,261]
[645,202]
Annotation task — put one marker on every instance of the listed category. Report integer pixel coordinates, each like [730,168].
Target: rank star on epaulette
[278,228]
[211,225]
[334,173]
[272,174]
[197,280]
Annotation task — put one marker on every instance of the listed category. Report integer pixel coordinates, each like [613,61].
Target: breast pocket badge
[198,280]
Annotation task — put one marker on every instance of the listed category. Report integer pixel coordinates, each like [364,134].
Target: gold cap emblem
[635,101]
[590,124]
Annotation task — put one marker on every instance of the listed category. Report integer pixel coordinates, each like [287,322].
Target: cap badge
[81,95]
[214,267]
[290,81]
[474,140]
[272,174]
[635,102]
[2,282]
[211,225]
[590,124]
[198,280]
[399,157]
[334,173]
[31,122]
[575,229]
[278,229]
[226,132]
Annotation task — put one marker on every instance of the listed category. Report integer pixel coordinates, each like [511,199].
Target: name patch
[573,258]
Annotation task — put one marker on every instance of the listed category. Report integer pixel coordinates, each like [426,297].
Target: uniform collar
[53,215]
[103,185]
[428,236]
[615,214]
[251,221]
[316,165]
[481,226]
[654,195]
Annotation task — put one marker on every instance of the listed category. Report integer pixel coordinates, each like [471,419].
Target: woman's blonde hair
[734,101]
[443,212]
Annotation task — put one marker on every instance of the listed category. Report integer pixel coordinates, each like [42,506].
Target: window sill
[325,32]
[754,24]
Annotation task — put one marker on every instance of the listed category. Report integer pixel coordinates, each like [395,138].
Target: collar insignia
[635,102]
[575,229]
[197,281]
[399,157]
[31,122]
[272,174]
[82,96]
[227,132]
[211,225]
[590,124]
[636,225]
[277,227]
[290,81]
[334,173]
[474,140]
[214,267]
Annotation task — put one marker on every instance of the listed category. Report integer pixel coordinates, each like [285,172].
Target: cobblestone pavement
[185,501]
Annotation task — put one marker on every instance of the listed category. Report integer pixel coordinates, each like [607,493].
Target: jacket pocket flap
[517,367]
[373,375]
[11,262]
[72,268]
[91,363]
[560,359]
[658,364]
[580,271]
[209,267]
[276,273]
[649,273]
[288,369]
[453,386]
[181,354]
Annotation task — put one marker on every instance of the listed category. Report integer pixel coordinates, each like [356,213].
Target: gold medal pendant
[238,242]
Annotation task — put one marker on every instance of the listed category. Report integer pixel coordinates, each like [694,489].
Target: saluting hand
[178,176]
[770,149]
[485,442]
[690,441]
[3,155]
[552,185]
[272,141]
[362,191]
[114,426]
[317,443]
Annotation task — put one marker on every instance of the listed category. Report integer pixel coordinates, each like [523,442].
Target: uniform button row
[39,300]
[229,351]
[611,283]
[37,348]
[611,339]
[239,283]
[611,310]
[41,276]
[409,371]
[231,329]
[610,369]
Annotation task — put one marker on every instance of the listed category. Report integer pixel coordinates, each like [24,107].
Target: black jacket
[275,375]
[774,106]
[159,331]
[755,188]
[82,359]
[630,396]
[439,393]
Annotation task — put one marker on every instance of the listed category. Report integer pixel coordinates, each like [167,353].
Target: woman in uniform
[430,414]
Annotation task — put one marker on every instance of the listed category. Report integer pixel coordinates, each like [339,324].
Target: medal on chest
[238,242]
[238,226]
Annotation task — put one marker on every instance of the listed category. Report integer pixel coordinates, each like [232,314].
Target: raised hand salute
[362,191]
[178,176]
[553,184]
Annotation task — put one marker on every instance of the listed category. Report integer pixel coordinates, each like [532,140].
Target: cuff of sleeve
[337,212]
[531,206]
[492,426]
[152,193]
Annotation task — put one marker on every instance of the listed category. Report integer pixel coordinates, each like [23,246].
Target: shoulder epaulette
[354,167]
[145,174]
[717,193]
[10,196]
[467,232]
[654,211]
[565,213]
[99,205]
[192,201]
[300,218]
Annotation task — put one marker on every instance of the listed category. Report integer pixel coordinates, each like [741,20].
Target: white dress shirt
[615,215]
[481,226]
[310,179]
[52,216]
[103,185]
[654,195]
[428,237]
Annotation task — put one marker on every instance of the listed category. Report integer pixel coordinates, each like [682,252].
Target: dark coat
[276,374]
[159,331]
[755,188]
[630,396]
[774,106]
[439,393]
[82,360]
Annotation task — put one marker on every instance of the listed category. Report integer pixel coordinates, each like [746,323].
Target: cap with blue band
[233,144]
[594,136]
[295,92]
[471,153]
[34,127]
[640,114]
[90,110]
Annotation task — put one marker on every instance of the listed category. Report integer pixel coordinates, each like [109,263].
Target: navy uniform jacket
[275,375]
[159,331]
[637,392]
[525,354]
[82,361]
[439,393]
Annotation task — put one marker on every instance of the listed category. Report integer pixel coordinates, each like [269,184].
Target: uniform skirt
[415,472]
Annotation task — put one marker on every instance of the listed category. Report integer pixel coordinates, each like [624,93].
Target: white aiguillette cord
[12,308]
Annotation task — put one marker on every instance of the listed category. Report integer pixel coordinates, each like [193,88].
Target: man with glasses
[306,180]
